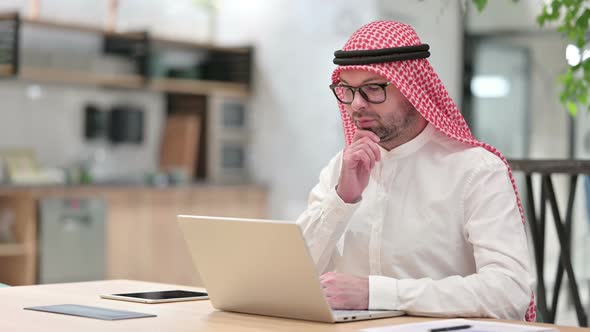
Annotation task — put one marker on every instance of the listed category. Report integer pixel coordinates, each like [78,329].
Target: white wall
[180,19]
[52,125]
[505,15]
[296,123]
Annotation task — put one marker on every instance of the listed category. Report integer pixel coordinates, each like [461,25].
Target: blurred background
[117,115]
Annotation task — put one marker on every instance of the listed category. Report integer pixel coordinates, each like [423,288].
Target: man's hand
[346,292]
[358,159]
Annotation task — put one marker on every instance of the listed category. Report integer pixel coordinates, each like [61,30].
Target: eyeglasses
[374,93]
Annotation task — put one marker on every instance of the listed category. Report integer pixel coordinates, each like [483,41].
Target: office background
[499,67]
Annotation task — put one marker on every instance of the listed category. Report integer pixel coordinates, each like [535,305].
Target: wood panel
[143,240]
[157,251]
[199,87]
[194,44]
[12,249]
[18,265]
[180,143]
[6,70]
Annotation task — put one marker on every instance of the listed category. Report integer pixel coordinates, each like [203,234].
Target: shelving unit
[215,79]
[227,69]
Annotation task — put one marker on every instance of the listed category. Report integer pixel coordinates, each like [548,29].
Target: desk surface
[179,316]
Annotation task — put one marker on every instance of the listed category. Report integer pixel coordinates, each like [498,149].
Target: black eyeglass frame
[362,93]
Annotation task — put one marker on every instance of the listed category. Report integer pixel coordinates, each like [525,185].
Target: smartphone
[158,297]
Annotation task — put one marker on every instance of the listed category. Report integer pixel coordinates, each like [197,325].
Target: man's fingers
[376,151]
[368,151]
[365,133]
[371,150]
[366,141]
[361,156]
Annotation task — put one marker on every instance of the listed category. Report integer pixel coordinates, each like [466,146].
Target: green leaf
[480,4]
[562,98]
[571,108]
[566,78]
[555,10]
[583,98]
[583,20]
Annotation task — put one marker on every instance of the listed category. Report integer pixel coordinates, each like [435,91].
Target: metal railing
[536,219]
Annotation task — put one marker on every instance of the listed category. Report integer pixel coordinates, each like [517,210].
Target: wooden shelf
[55,24]
[12,249]
[6,70]
[79,27]
[195,44]
[198,87]
[8,16]
[132,35]
[131,81]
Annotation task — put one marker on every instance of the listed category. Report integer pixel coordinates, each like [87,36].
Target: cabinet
[71,239]
[142,239]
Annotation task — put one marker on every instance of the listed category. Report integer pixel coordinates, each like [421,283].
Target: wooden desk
[180,316]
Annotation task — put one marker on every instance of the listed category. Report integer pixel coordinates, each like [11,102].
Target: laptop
[261,267]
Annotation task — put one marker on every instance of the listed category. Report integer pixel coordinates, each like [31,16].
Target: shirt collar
[411,146]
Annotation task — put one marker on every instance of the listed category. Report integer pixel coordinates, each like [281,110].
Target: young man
[414,214]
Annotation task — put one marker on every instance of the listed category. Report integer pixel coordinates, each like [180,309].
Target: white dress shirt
[437,231]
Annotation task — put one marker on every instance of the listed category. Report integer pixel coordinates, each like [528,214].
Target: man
[414,214]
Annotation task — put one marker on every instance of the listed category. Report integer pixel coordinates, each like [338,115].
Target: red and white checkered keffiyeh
[419,83]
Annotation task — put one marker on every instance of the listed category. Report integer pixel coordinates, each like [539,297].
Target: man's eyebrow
[376,78]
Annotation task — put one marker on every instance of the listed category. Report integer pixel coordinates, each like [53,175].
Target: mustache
[370,115]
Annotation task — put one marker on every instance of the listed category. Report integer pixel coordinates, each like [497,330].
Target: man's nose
[358,102]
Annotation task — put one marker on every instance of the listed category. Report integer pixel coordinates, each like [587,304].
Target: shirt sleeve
[502,284]
[326,218]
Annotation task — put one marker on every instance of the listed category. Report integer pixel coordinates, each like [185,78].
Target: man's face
[391,120]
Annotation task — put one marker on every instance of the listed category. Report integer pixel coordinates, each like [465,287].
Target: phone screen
[163,295]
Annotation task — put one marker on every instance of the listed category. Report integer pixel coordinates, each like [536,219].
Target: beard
[392,125]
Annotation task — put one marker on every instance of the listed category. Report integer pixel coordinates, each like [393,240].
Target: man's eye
[372,88]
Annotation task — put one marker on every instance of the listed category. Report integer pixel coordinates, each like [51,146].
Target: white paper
[476,326]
